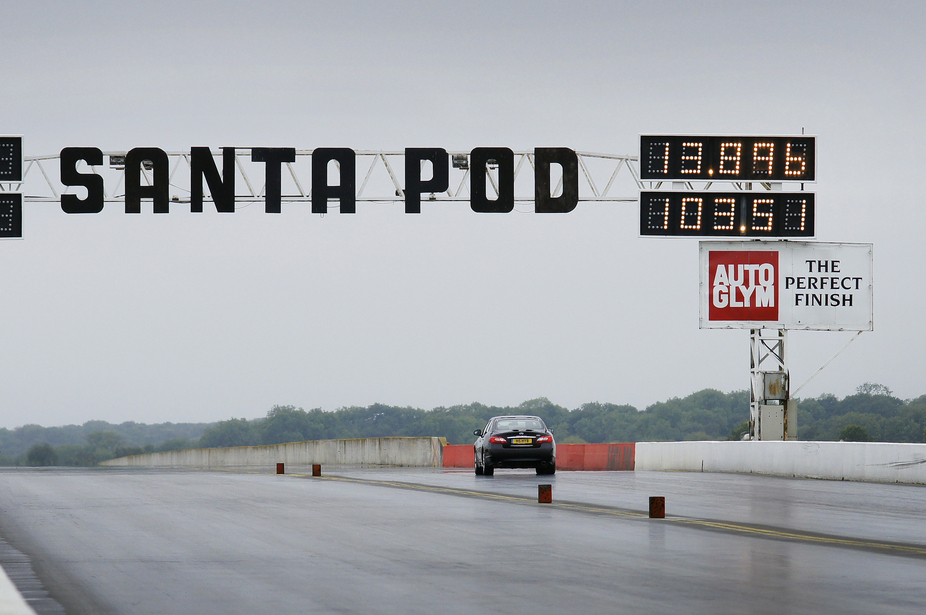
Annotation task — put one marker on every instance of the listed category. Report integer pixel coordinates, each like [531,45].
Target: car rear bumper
[527,457]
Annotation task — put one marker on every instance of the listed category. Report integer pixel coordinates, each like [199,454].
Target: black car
[515,442]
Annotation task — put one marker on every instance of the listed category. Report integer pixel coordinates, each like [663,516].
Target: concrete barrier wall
[414,452]
[862,461]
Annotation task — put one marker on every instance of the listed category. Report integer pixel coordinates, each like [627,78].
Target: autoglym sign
[786,285]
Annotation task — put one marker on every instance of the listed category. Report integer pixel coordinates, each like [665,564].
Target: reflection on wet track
[756,530]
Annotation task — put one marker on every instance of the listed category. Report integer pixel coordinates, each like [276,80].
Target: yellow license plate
[521,441]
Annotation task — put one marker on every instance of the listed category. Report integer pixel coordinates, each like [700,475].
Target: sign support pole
[771,414]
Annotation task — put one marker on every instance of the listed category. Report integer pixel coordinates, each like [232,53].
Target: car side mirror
[550,429]
[476,432]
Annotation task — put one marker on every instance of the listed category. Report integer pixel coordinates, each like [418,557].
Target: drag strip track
[912,550]
[418,541]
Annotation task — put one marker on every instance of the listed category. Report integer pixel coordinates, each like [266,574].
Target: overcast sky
[204,317]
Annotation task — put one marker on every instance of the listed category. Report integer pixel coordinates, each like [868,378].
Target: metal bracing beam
[380,171]
[619,174]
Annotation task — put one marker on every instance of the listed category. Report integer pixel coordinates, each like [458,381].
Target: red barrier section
[459,456]
[596,457]
[591,457]
[622,456]
[568,456]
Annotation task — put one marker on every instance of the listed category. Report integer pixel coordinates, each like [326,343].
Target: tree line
[92,442]
[871,414]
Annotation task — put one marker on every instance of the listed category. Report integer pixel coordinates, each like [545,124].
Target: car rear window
[519,425]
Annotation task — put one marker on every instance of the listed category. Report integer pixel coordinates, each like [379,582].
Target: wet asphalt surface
[433,541]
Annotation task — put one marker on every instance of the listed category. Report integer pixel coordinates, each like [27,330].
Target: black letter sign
[345,191]
[70,203]
[543,201]
[413,184]
[134,191]
[504,159]
[273,157]
[222,188]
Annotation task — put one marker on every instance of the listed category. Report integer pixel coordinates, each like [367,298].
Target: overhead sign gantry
[757,285]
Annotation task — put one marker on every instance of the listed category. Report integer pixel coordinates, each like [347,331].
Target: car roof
[515,416]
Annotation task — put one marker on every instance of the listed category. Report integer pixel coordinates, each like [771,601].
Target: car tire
[479,470]
[545,470]
[488,470]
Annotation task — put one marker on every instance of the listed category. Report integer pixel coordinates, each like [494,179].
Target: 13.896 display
[720,158]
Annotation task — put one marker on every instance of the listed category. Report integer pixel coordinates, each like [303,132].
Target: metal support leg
[769,385]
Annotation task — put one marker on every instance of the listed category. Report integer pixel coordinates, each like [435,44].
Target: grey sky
[203,317]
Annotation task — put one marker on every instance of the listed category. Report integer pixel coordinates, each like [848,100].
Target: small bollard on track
[280,468]
[657,507]
[545,494]
[316,469]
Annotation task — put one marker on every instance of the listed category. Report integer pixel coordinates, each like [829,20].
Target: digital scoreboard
[11,171]
[11,159]
[739,160]
[727,214]
[11,215]
[722,158]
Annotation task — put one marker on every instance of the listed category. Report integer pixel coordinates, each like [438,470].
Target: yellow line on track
[807,537]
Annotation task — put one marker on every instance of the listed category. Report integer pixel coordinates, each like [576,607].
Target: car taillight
[545,439]
[498,440]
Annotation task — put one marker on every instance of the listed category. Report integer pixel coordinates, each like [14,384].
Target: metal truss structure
[603,178]
[771,414]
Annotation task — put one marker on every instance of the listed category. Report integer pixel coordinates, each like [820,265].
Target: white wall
[863,461]
[417,452]
[11,601]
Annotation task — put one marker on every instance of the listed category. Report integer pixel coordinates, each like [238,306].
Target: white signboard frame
[786,285]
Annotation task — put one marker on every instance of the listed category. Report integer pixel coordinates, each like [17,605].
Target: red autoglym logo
[743,285]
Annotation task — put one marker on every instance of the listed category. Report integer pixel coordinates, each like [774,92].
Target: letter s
[70,203]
